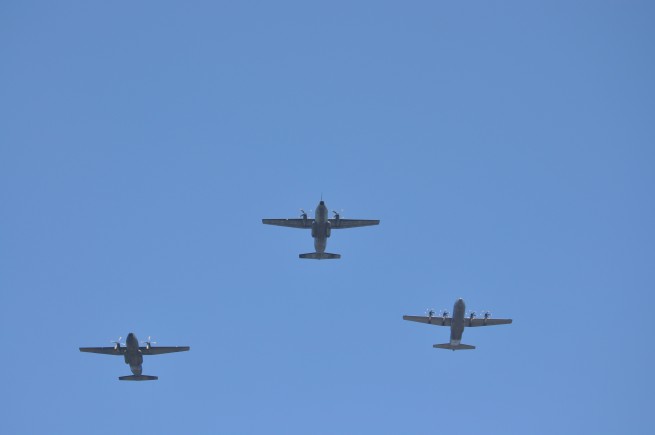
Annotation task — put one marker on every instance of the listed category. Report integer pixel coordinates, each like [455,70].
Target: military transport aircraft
[321,228]
[457,324]
[133,355]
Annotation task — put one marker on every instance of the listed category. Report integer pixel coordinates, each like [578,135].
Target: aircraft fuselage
[457,324]
[133,355]
[321,227]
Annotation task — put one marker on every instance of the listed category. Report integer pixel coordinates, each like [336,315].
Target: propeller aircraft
[457,324]
[321,227]
[133,354]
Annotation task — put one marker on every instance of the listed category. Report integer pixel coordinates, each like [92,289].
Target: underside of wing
[158,350]
[104,350]
[352,223]
[485,322]
[292,223]
[438,321]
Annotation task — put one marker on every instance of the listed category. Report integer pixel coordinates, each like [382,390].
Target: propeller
[471,315]
[445,313]
[430,312]
[487,314]
[337,214]
[149,342]
[117,343]
[303,214]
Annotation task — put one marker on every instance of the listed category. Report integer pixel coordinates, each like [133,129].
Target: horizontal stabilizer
[138,378]
[320,256]
[454,346]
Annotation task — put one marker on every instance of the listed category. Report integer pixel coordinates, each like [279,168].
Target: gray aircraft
[321,228]
[457,324]
[133,354]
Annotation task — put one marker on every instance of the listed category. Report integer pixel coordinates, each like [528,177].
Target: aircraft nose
[321,203]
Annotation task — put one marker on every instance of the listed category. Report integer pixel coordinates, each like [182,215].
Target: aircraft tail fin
[454,346]
[320,256]
[138,378]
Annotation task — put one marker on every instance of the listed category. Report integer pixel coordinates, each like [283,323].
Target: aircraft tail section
[138,378]
[454,346]
[320,256]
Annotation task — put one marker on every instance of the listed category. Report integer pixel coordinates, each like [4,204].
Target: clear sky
[508,149]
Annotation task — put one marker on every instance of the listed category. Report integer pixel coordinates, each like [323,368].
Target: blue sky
[507,148]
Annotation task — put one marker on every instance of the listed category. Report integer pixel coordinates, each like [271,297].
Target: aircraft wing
[158,350]
[435,320]
[293,223]
[104,350]
[485,322]
[352,223]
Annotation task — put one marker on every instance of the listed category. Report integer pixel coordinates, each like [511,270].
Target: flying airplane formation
[321,228]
